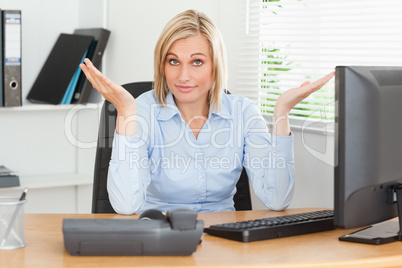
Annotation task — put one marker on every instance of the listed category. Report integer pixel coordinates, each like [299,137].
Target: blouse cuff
[284,145]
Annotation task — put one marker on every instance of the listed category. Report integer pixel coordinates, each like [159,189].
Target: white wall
[314,154]
[314,157]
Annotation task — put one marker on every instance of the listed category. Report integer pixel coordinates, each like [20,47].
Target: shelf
[49,107]
[52,181]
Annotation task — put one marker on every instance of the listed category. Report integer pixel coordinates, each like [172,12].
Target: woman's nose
[184,75]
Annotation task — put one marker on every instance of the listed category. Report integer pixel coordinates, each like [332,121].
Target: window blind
[284,43]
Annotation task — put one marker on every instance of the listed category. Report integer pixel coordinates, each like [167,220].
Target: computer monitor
[368,150]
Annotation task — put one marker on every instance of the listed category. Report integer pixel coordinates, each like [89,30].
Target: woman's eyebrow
[198,54]
[192,55]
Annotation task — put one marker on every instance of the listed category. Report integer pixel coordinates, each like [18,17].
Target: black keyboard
[275,227]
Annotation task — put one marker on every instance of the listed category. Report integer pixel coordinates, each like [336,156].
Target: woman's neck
[194,115]
[192,112]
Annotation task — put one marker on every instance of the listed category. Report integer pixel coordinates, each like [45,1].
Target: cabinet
[51,147]
[55,193]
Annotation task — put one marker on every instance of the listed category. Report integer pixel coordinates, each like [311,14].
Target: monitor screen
[368,144]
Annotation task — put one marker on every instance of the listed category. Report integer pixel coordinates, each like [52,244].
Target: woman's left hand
[293,96]
[290,99]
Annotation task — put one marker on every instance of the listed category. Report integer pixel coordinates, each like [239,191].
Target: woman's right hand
[116,94]
[125,103]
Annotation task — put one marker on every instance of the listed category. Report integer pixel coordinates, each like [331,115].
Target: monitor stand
[380,233]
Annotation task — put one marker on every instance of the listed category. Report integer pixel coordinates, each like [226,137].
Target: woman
[184,144]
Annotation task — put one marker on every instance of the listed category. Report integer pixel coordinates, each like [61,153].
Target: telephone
[154,233]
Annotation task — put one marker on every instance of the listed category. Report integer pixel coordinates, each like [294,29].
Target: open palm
[116,94]
[292,97]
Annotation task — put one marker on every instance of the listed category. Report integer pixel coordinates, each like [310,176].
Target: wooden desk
[45,248]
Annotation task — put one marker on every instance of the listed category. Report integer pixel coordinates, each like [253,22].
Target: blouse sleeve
[269,161]
[129,171]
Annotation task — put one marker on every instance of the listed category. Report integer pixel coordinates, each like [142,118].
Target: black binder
[59,69]
[84,88]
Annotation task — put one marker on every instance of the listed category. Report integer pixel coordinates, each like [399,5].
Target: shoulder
[147,104]
[148,97]
[234,103]
[147,100]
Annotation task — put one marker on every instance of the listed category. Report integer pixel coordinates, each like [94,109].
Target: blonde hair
[186,24]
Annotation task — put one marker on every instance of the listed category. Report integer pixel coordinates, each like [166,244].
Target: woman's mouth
[185,89]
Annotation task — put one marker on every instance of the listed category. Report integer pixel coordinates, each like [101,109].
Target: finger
[99,80]
[88,75]
[305,84]
[85,69]
[95,73]
[318,84]
[98,74]
[323,80]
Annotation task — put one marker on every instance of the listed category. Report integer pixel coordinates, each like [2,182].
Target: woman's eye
[197,62]
[173,62]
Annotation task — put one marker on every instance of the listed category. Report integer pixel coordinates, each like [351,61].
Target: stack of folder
[10,59]
[7,179]
[61,80]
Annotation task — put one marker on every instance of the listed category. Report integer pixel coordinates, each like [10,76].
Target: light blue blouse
[164,166]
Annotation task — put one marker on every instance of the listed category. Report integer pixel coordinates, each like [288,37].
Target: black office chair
[100,198]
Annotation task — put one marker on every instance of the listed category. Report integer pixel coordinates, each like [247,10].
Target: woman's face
[188,70]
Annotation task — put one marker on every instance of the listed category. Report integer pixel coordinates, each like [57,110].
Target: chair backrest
[107,124]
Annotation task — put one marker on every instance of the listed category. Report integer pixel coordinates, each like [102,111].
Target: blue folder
[68,96]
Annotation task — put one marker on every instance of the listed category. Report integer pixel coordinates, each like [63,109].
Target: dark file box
[84,91]
[59,69]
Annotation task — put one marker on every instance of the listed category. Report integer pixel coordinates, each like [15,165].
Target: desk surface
[45,248]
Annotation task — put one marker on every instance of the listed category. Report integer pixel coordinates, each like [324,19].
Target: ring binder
[11,58]
[59,69]
[84,92]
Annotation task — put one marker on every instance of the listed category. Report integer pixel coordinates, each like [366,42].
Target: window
[284,43]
